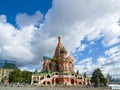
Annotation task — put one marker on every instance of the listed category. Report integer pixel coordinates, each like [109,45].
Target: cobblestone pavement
[52,88]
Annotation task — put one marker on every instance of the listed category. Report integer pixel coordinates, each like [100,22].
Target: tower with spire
[62,61]
[58,48]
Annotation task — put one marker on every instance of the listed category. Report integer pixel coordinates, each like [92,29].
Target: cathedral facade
[59,70]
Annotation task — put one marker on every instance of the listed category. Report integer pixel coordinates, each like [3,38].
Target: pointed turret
[58,48]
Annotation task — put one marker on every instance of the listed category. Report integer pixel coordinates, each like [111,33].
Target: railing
[114,86]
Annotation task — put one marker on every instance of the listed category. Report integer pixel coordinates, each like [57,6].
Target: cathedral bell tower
[58,48]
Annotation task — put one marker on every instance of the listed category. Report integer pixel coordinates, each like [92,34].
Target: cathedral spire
[59,46]
[59,38]
[59,42]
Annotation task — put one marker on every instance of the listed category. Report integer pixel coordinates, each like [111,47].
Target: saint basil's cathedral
[59,70]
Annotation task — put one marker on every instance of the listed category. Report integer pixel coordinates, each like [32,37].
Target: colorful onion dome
[71,57]
[46,56]
[59,36]
[63,50]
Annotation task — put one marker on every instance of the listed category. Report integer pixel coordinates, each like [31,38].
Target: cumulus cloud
[2,19]
[23,19]
[14,44]
[78,19]
[101,61]
[111,31]
[25,45]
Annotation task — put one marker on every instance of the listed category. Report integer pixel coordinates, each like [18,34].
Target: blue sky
[90,32]
[13,7]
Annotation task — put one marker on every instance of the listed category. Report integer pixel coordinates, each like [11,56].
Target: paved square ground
[52,88]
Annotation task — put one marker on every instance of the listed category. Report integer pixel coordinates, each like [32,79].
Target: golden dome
[59,36]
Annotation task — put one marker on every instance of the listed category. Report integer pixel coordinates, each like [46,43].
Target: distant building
[109,78]
[8,64]
[59,69]
[4,74]
[5,68]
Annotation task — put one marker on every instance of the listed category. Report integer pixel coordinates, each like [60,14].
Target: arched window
[48,76]
[34,78]
[42,78]
[80,83]
[48,83]
[44,82]
[37,78]
[72,81]
[56,73]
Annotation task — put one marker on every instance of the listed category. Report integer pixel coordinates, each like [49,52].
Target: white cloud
[23,20]
[94,34]
[30,68]
[111,30]
[78,19]
[85,65]
[110,64]
[2,19]
[101,61]
[81,48]
[84,61]
[112,51]
[14,43]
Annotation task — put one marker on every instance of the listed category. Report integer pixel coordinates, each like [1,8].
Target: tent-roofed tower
[56,57]
[58,48]
[61,61]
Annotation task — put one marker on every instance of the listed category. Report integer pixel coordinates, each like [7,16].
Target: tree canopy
[20,76]
[98,78]
[85,75]
[15,76]
[26,76]
[77,72]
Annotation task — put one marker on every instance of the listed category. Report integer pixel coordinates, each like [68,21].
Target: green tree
[98,78]
[36,71]
[15,76]
[77,72]
[26,76]
[85,74]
